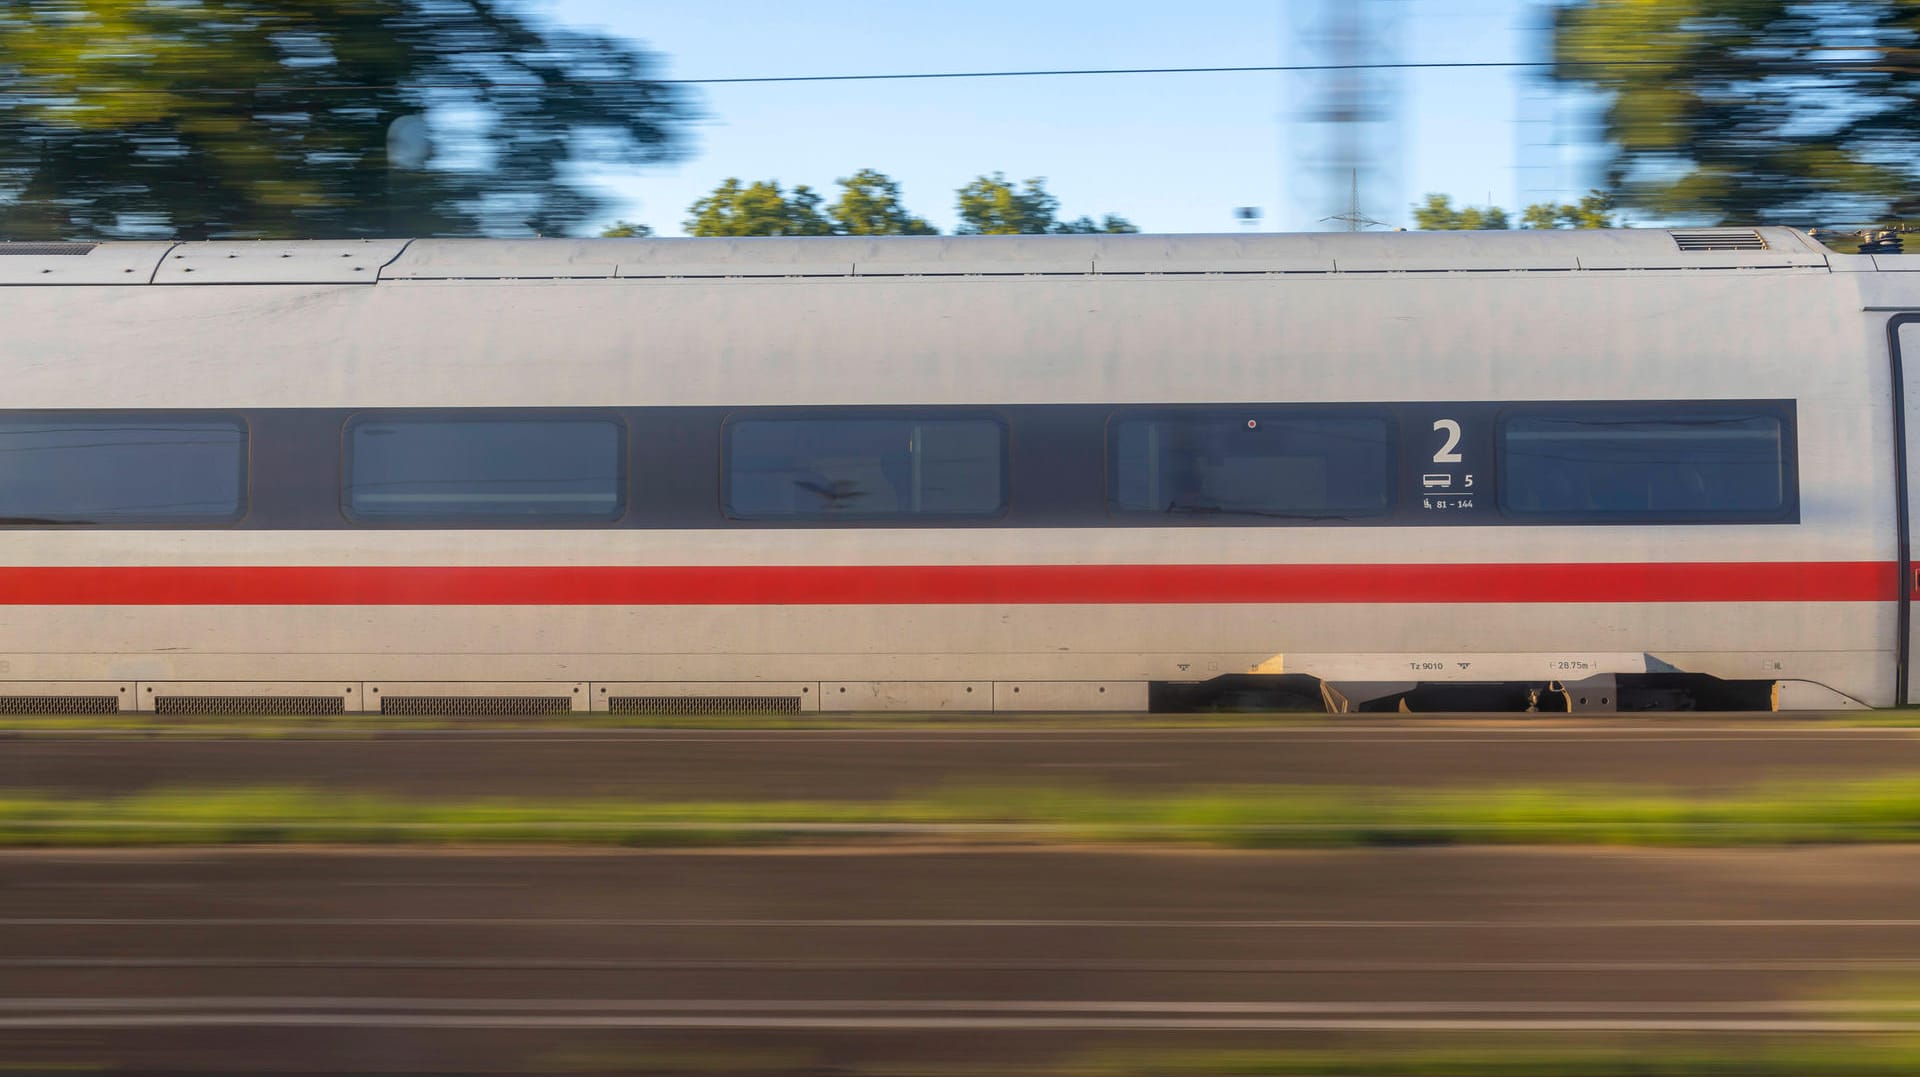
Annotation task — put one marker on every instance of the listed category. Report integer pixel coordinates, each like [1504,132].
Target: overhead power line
[509,84]
[1077,71]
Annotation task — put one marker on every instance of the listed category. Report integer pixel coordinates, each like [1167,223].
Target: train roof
[373,261]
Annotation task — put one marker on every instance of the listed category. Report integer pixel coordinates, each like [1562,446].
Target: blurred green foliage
[1754,111]
[870,205]
[1111,224]
[1863,810]
[757,209]
[993,206]
[1437,214]
[1594,210]
[313,118]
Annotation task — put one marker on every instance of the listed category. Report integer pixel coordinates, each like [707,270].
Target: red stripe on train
[605,585]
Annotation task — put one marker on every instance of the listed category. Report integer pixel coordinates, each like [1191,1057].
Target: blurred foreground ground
[863,958]
[854,960]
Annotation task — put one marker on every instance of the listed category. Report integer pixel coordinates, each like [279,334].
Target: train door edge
[1904,327]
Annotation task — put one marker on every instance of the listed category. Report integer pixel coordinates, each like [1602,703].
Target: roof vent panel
[474,706]
[694,705]
[1717,239]
[250,706]
[79,263]
[47,250]
[59,704]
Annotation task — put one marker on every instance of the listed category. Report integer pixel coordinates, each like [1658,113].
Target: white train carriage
[1050,473]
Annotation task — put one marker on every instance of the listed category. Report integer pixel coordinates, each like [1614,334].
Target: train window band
[848,468]
[1622,462]
[449,466]
[122,469]
[1260,463]
[1474,463]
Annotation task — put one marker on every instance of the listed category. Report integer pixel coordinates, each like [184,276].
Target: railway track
[1682,752]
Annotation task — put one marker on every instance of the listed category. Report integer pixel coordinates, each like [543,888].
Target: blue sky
[1173,153]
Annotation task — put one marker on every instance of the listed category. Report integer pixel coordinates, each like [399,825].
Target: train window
[1662,462]
[865,468]
[476,468]
[1251,464]
[122,469]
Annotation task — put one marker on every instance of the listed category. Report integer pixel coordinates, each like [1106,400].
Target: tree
[626,230]
[1110,224]
[1437,214]
[1752,111]
[869,205]
[1594,210]
[992,206]
[283,118]
[757,209]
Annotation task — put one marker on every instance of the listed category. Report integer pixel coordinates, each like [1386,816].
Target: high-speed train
[1566,470]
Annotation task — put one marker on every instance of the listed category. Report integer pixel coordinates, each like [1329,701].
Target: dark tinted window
[1622,462]
[122,469]
[441,468]
[1252,464]
[852,468]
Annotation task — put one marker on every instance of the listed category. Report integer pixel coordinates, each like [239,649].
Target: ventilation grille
[476,705]
[1719,239]
[704,704]
[42,250]
[250,705]
[59,704]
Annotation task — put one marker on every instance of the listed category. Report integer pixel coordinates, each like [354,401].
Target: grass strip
[1857,811]
[1840,1059]
[137,724]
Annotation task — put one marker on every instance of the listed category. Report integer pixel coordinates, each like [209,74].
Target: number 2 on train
[1446,455]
